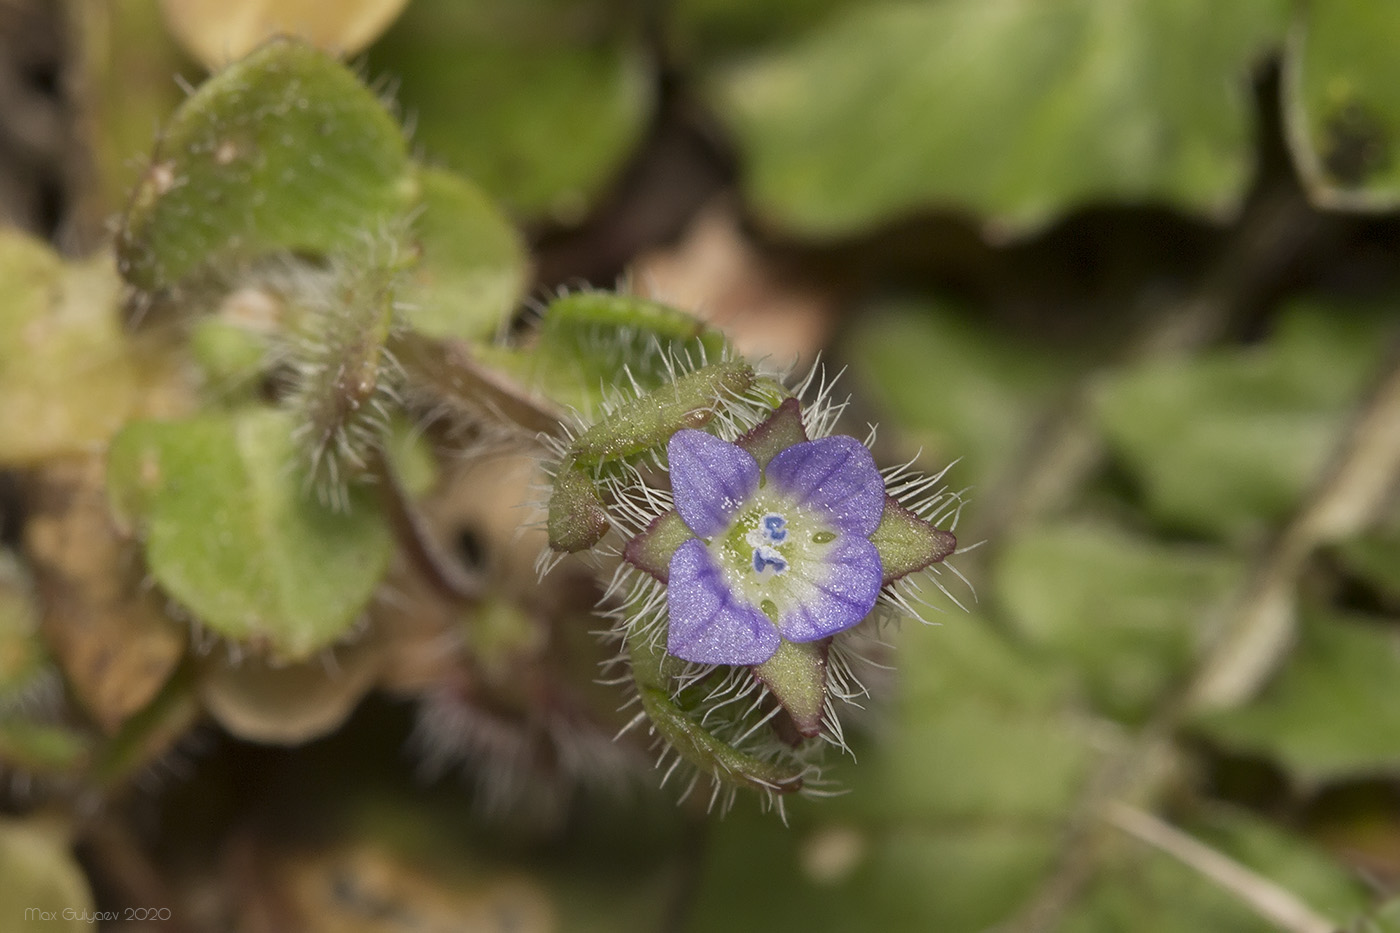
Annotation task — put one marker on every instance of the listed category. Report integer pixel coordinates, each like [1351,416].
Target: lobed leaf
[284,150]
[1013,110]
[233,535]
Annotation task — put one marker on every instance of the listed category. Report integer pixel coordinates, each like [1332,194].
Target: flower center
[772,547]
[764,538]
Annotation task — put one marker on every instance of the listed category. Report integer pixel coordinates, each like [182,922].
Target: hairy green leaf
[233,533]
[284,150]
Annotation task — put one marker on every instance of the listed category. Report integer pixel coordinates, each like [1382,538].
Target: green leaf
[412,457]
[473,267]
[284,150]
[1229,442]
[66,371]
[41,749]
[1126,611]
[824,874]
[1382,919]
[1343,102]
[1014,110]
[711,30]
[1294,863]
[232,358]
[233,533]
[44,889]
[953,816]
[972,718]
[23,658]
[957,388]
[539,102]
[1330,713]
[1375,558]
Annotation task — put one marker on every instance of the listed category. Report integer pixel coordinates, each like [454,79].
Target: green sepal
[796,676]
[691,740]
[577,519]
[700,747]
[283,151]
[776,433]
[907,544]
[652,548]
[641,424]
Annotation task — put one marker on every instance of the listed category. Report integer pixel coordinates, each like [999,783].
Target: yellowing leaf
[219,31]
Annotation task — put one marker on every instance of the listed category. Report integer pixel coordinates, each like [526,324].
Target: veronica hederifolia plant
[333,290]
[757,548]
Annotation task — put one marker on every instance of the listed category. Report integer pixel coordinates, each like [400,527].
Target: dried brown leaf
[108,629]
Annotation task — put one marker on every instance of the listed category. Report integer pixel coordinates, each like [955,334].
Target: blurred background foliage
[1133,266]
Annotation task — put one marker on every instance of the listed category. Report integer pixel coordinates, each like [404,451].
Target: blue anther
[765,557]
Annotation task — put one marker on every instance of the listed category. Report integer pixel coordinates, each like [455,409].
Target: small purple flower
[775,543]
[781,551]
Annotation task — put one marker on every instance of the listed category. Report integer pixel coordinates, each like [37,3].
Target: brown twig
[417,540]
[1259,622]
[1274,903]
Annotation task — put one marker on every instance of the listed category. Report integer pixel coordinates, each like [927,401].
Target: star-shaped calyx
[776,544]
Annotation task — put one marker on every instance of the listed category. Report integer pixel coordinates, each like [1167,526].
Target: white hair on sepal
[821,410]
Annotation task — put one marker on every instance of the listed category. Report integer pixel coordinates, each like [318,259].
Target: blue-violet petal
[834,476]
[707,624]
[710,480]
[833,594]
